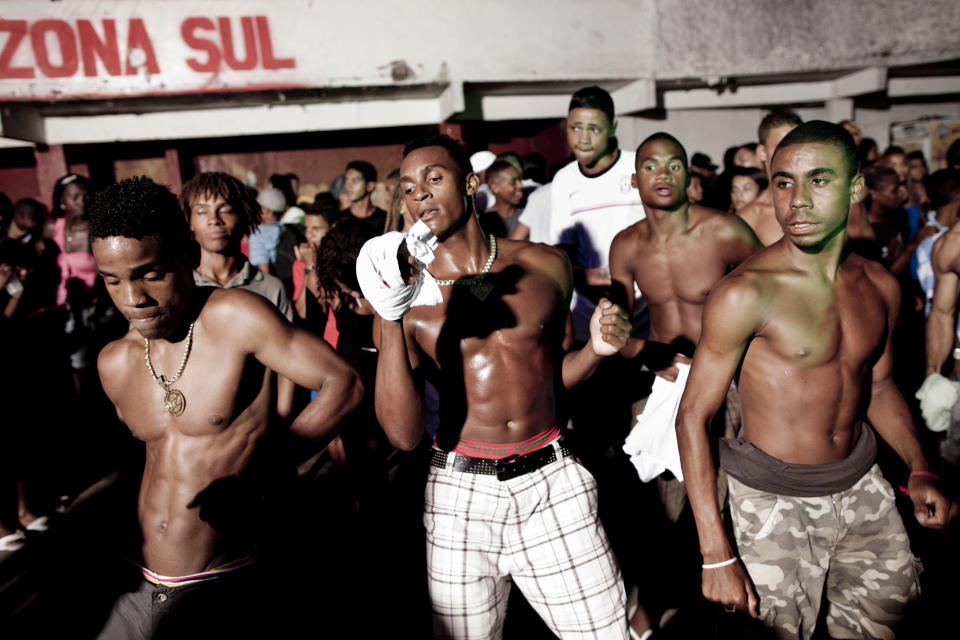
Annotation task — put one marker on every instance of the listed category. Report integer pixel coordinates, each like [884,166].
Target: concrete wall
[741,37]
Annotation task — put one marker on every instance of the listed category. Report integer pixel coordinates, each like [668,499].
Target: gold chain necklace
[483,271]
[173,400]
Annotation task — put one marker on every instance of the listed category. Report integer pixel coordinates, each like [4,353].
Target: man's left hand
[930,506]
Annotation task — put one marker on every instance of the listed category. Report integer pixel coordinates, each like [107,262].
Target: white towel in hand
[652,444]
[937,395]
[421,242]
[378,273]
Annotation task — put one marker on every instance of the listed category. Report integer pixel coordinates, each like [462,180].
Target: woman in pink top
[70,232]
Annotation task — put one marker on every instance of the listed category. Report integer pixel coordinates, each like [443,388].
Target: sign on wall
[103,48]
[76,49]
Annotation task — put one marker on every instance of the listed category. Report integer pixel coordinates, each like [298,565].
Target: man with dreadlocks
[221,210]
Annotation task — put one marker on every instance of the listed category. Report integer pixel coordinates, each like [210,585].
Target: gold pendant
[174,402]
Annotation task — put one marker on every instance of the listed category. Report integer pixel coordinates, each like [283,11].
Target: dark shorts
[220,607]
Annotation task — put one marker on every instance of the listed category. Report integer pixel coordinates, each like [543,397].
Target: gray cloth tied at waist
[756,469]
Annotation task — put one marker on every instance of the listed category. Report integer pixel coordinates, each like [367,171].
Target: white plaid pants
[540,531]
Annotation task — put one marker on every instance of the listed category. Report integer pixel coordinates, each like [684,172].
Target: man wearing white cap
[480,162]
[263,241]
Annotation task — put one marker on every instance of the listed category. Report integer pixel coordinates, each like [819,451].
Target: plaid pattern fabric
[540,531]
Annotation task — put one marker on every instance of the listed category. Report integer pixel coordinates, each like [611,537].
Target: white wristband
[717,565]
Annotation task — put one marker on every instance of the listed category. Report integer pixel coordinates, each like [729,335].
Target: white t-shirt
[587,212]
[536,215]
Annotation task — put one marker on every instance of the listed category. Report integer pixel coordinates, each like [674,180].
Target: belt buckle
[512,466]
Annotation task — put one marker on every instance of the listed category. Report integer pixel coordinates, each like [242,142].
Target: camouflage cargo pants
[853,540]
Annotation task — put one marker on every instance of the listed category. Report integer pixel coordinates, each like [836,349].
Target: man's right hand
[730,586]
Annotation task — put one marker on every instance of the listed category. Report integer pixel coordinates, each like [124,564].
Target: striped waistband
[194,578]
[498,450]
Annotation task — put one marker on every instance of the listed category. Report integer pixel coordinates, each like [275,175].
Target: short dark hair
[216,184]
[893,150]
[139,207]
[35,210]
[866,146]
[663,135]
[757,175]
[454,148]
[827,133]
[943,186]
[60,186]
[876,176]
[337,255]
[284,182]
[324,205]
[776,119]
[497,168]
[953,154]
[592,98]
[367,170]
[917,155]
[728,157]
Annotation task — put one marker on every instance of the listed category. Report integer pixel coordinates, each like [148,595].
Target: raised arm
[889,415]
[731,317]
[300,356]
[399,392]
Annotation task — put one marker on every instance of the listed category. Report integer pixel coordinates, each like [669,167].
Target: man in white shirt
[592,199]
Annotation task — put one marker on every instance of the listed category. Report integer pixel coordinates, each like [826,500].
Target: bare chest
[679,270]
[518,312]
[812,328]
[210,395]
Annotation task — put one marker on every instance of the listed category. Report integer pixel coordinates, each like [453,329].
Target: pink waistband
[498,450]
[193,578]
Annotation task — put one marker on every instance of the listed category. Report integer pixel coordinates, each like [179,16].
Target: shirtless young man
[505,502]
[191,379]
[675,256]
[938,394]
[809,326]
[759,213]
[678,252]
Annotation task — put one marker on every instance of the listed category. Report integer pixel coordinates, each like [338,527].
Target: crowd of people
[628,385]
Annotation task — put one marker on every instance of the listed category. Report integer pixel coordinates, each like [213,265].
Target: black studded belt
[504,468]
